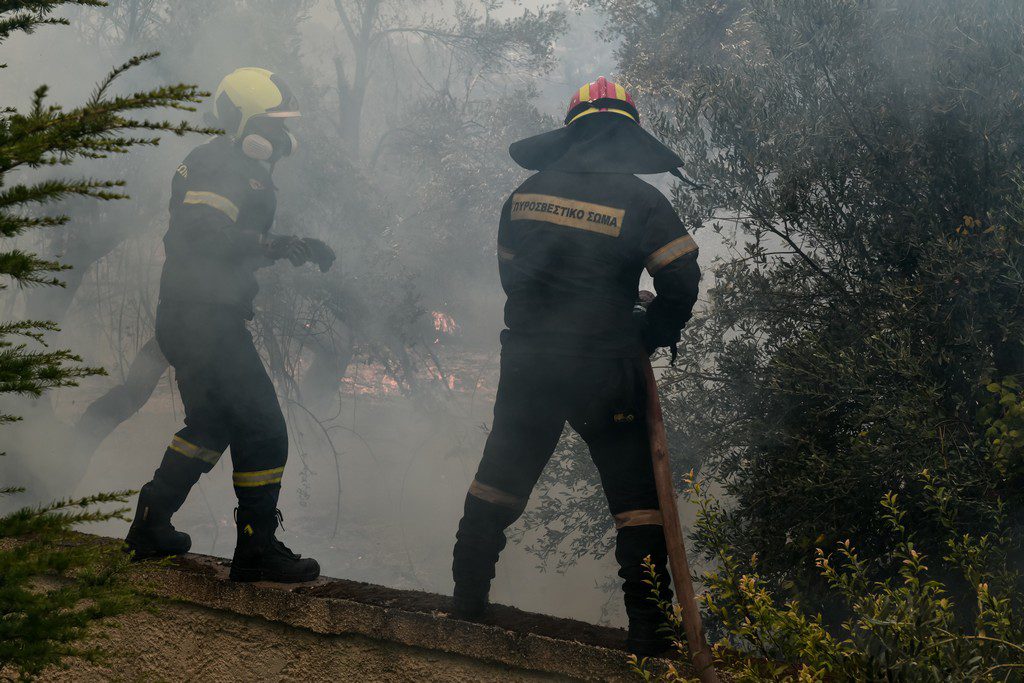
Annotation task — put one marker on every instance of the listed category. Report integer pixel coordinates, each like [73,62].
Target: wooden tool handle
[700,653]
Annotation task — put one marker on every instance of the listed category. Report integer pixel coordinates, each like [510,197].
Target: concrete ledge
[202,580]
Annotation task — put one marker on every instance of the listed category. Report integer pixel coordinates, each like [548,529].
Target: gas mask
[268,141]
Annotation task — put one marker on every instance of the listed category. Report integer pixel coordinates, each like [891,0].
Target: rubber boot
[646,639]
[648,635]
[469,602]
[259,556]
[479,542]
[151,533]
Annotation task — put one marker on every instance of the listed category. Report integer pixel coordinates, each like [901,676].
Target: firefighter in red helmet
[573,240]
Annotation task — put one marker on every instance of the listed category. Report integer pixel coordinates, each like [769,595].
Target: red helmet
[601,95]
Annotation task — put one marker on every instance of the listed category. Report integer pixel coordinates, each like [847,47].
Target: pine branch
[28,269]
[25,16]
[42,626]
[48,135]
[12,225]
[61,515]
[33,329]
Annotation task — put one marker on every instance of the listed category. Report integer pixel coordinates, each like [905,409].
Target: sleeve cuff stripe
[214,200]
[675,249]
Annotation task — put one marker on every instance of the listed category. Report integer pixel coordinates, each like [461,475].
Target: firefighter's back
[572,243]
[571,249]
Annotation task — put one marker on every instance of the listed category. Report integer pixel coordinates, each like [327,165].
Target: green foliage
[54,583]
[1003,416]
[905,627]
[25,371]
[673,627]
[862,334]
[25,16]
[47,135]
[908,626]
[661,43]
[861,167]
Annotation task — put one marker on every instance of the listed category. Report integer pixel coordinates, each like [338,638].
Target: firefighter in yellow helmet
[221,212]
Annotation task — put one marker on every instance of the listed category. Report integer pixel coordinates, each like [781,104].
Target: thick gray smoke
[387,366]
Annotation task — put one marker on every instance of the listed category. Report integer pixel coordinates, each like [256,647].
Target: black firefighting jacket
[222,207]
[571,249]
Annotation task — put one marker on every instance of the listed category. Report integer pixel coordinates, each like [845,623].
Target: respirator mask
[268,139]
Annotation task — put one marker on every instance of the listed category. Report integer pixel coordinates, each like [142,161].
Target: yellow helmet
[248,93]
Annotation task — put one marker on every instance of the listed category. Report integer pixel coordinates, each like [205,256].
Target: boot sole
[142,554]
[472,612]
[474,616]
[249,575]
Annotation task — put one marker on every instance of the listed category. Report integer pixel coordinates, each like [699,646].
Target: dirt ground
[191,643]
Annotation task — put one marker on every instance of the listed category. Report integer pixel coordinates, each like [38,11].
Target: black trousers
[106,413]
[229,400]
[603,400]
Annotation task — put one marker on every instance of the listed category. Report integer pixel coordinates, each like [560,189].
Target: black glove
[319,253]
[289,247]
[652,337]
[656,339]
[643,300]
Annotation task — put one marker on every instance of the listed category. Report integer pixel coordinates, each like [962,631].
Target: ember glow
[445,324]
[462,373]
[450,381]
[369,379]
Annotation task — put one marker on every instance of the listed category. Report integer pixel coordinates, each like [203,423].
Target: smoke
[386,367]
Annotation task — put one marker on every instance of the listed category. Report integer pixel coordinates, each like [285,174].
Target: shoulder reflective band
[505,254]
[190,450]
[638,518]
[670,252]
[570,213]
[212,199]
[496,496]
[261,478]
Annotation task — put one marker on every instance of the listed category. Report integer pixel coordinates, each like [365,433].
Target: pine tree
[53,586]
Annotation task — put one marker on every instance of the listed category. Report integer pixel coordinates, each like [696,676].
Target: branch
[31,14]
[345,21]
